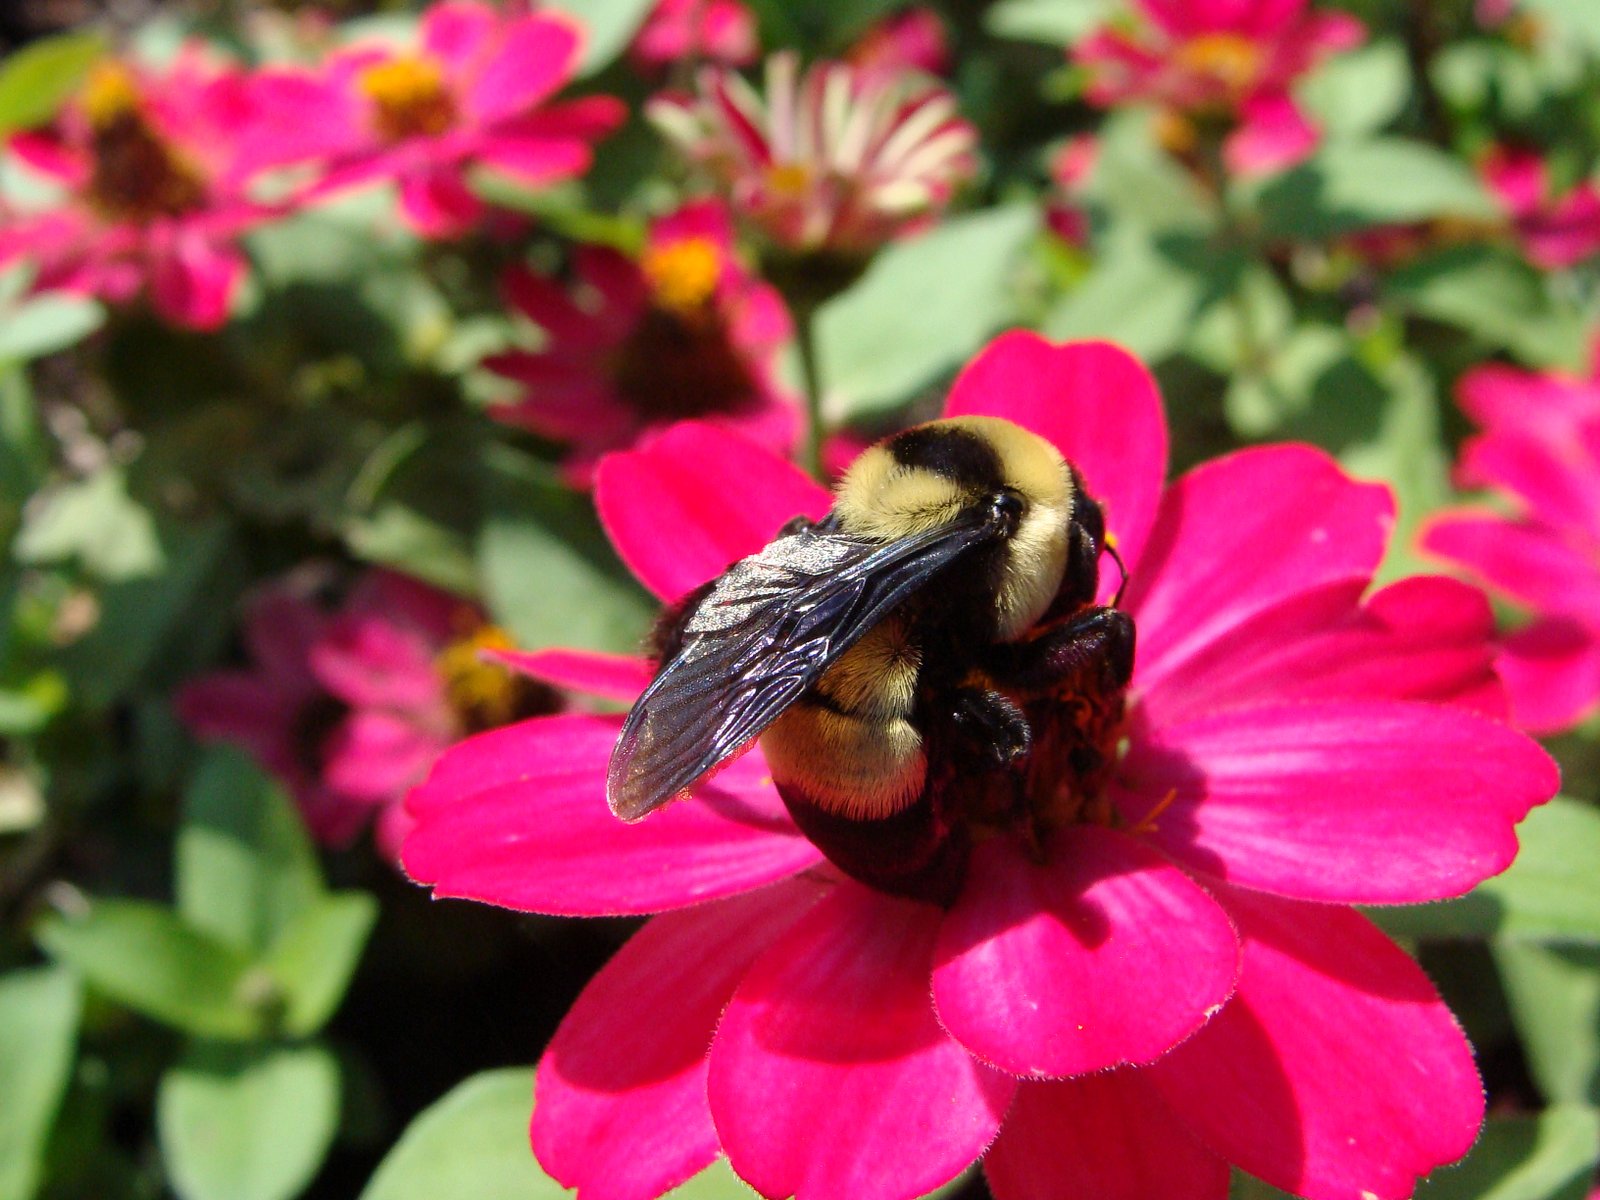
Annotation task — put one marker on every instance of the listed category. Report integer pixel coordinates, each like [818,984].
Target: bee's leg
[1099,640]
[992,721]
[802,522]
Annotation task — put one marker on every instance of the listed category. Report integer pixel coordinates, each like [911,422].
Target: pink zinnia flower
[676,31]
[1173,983]
[349,707]
[153,173]
[838,160]
[473,91]
[1553,231]
[1540,448]
[912,39]
[685,330]
[1230,59]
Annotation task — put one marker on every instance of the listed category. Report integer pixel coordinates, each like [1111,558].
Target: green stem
[805,314]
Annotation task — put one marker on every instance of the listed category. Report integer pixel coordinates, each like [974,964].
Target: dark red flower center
[136,174]
[680,361]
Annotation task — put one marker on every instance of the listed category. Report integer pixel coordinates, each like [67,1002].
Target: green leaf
[609,24]
[1143,291]
[96,522]
[46,324]
[549,574]
[1549,1157]
[920,311]
[1355,185]
[144,956]
[1052,22]
[473,1142]
[245,867]
[39,1011]
[1551,893]
[36,80]
[1577,18]
[1498,297]
[247,1122]
[1360,92]
[147,622]
[315,957]
[1135,178]
[1554,994]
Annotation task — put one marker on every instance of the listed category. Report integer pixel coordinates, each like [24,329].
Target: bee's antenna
[1116,601]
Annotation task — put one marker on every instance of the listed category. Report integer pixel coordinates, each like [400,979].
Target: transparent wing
[762,637]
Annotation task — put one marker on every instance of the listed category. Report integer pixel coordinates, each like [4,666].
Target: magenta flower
[1553,231]
[1540,449]
[1170,984]
[1070,167]
[678,31]
[685,330]
[838,160]
[154,176]
[912,39]
[349,707]
[1233,60]
[473,92]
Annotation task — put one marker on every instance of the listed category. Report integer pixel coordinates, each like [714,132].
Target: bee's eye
[1005,508]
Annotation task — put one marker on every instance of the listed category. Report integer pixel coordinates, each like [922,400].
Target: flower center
[790,180]
[1231,61]
[409,98]
[683,274]
[136,174]
[482,693]
[680,360]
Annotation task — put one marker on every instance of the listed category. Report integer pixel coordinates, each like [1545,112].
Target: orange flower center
[409,98]
[136,174]
[1230,60]
[789,180]
[683,274]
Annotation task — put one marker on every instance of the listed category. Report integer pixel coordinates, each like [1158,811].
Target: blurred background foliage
[197,1000]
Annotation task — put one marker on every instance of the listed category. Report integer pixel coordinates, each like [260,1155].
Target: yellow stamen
[409,96]
[1232,60]
[683,274]
[1147,823]
[109,94]
[481,691]
[789,180]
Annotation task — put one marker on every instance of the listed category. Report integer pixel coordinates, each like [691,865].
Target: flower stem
[811,383]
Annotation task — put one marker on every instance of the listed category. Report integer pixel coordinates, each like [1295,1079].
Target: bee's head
[945,471]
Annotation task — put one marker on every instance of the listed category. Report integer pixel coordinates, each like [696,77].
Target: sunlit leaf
[1554,993]
[315,957]
[247,1122]
[38,1031]
[142,955]
[1549,1157]
[37,79]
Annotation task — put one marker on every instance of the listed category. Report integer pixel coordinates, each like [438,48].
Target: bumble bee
[906,661]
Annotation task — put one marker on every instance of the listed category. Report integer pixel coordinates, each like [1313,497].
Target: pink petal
[1102,1137]
[1099,406]
[548,305]
[518,817]
[1552,670]
[195,281]
[1241,533]
[1336,1072]
[1273,135]
[1106,954]
[1362,802]
[1500,397]
[458,31]
[437,203]
[1552,475]
[1425,638]
[534,161]
[534,57]
[376,756]
[613,676]
[622,1112]
[1529,561]
[830,1076]
[696,499]
[237,707]
[366,659]
[279,631]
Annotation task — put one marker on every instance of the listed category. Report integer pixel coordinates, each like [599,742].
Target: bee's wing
[766,632]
